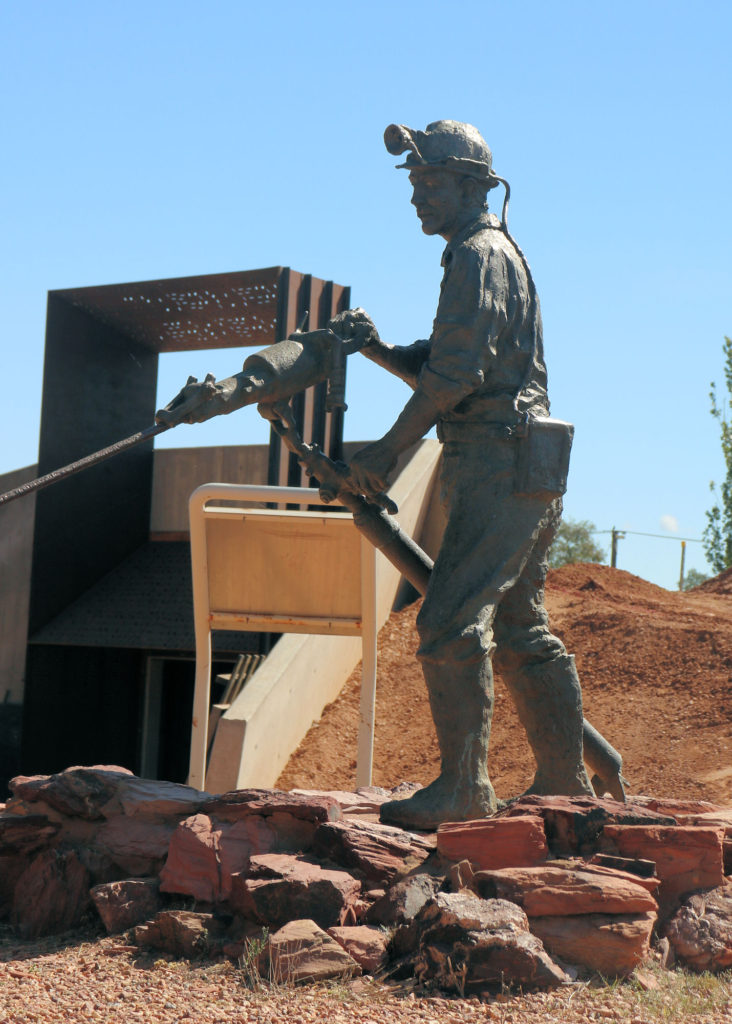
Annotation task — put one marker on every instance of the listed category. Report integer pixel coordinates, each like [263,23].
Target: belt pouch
[543,457]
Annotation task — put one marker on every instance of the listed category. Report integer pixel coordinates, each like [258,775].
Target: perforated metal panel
[187,313]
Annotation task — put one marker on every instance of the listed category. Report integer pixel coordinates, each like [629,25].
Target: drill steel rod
[76,467]
[415,564]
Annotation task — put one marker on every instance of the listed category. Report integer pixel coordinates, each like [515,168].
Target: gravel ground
[84,978]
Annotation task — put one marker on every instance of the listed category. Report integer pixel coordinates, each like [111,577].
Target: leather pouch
[543,457]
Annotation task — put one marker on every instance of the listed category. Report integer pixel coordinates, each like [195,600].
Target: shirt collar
[486,219]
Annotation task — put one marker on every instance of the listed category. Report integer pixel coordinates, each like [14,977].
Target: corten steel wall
[98,386]
[16,545]
[300,294]
[100,376]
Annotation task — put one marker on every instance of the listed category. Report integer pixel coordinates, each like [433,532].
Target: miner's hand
[371,469]
[355,325]
[190,404]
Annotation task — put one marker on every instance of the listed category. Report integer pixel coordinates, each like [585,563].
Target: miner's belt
[474,430]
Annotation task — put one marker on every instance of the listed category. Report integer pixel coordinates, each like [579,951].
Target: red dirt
[656,670]
[721,584]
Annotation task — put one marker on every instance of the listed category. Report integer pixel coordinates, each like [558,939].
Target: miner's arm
[372,466]
[453,366]
[404,362]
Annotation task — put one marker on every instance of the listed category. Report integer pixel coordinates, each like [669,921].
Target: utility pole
[616,536]
[683,559]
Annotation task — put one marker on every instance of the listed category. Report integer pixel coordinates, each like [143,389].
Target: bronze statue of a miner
[480,377]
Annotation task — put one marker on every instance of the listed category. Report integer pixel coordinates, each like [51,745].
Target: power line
[618,535]
[661,536]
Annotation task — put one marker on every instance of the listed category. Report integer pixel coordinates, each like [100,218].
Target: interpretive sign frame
[278,571]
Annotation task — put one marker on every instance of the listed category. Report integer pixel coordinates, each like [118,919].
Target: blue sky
[168,139]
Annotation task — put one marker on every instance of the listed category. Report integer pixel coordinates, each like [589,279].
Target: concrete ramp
[264,726]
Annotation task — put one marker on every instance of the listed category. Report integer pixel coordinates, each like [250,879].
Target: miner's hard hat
[452,145]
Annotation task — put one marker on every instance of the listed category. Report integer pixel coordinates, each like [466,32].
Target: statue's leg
[485,546]
[461,700]
[542,677]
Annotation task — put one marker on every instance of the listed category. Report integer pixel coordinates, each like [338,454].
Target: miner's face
[438,198]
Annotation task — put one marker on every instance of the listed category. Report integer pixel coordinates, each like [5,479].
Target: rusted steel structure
[100,379]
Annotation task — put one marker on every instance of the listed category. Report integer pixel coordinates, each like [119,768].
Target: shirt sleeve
[471,314]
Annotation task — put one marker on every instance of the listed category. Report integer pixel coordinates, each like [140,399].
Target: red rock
[366,945]
[642,870]
[467,944]
[238,843]
[365,800]
[74,831]
[154,799]
[573,824]
[672,808]
[123,904]
[646,981]
[549,890]
[301,953]
[377,852]
[294,818]
[461,876]
[99,865]
[136,845]
[687,858]
[11,868]
[701,930]
[611,944]
[182,933]
[203,855]
[720,817]
[403,901]
[293,834]
[192,867]
[239,803]
[243,943]
[281,888]
[494,842]
[24,834]
[649,882]
[78,792]
[51,895]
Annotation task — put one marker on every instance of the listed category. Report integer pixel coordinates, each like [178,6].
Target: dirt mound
[656,670]
[721,584]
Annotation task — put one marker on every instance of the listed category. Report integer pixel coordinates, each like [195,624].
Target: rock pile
[308,885]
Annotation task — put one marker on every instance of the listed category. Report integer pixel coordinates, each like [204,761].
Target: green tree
[718,531]
[692,578]
[574,543]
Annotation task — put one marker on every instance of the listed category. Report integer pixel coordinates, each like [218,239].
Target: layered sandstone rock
[377,853]
[701,930]
[301,952]
[367,945]
[183,933]
[687,858]
[122,905]
[613,944]
[278,888]
[553,890]
[51,895]
[468,945]
[517,841]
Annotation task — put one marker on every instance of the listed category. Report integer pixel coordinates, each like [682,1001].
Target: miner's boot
[461,700]
[548,699]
